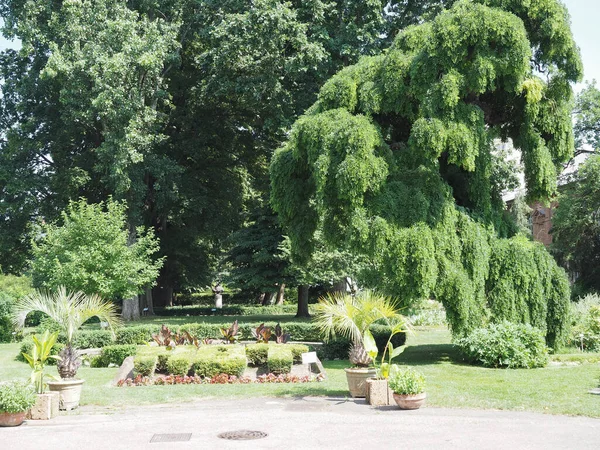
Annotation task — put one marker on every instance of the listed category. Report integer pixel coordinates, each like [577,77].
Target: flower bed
[222,378]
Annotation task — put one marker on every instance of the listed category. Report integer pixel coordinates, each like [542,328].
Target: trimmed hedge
[92,339]
[258,354]
[116,354]
[279,359]
[145,365]
[179,364]
[214,360]
[137,335]
[230,310]
[27,347]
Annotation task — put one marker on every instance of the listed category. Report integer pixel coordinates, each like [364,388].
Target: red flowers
[222,378]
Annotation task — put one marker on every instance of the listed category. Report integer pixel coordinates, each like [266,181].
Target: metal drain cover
[243,435]
[180,437]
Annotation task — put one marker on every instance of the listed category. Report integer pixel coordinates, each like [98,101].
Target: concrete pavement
[303,423]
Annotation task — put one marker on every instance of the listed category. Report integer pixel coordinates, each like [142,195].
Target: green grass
[556,389]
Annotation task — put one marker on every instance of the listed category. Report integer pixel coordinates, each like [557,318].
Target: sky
[585,18]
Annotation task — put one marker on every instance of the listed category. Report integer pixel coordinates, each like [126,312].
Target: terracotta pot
[357,380]
[69,390]
[410,401]
[379,393]
[12,419]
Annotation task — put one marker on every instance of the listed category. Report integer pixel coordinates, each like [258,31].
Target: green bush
[6,329]
[16,397]
[585,331]
[145,365]
[337,348]
[116,354]
[138,335]
[406,381]
[297,350]
[179,365]
[229,310]
[257,354]
[27,347]
[93,339]
[97,362]
[280,359]
[214,360]
[506,345]
[162,360]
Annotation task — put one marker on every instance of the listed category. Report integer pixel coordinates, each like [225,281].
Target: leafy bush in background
[506,344]
[585,316]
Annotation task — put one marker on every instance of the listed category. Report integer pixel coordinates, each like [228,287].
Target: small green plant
[506,344]
[230,334]
[280,359]
[145,365]
[585,330]
[116,354]
[257,354]
[280,336]
[179,365]
[262,334]
[406,381]
[16,397]
[41,353]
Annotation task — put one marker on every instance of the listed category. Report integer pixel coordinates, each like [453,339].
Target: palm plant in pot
[352,316]
[47,403]
[408,386]
[15,400]
[70,310]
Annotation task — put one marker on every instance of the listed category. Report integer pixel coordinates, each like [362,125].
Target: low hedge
[214,360]
[279,359]
[116,354]
[258,354]
[230,310]
[179,365]
[137,335]
[93,339]
[145,365]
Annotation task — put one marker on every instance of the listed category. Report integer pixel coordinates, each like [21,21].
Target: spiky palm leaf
[350,316]
[70,310]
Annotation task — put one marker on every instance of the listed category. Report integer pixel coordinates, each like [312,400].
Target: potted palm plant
[47,403]
[15,400]
[408,386]
[70,310]
[352,316]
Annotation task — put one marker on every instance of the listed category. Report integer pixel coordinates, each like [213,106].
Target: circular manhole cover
[243,435]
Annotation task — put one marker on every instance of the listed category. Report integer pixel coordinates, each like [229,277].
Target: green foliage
[179,365]
[257,354]
[279,359]
[93,339]
[16,397]
[506,345]
[585,332]
[395,161]
[587,117]
[138,335]
[116,354]
[406,381]
[27,346]
[575,225]
[12,288]
[91,252]
[229,310]
[41,353]
[214,360]
[145,365]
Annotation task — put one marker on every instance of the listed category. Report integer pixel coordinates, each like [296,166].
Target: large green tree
[173,105]
[394,160]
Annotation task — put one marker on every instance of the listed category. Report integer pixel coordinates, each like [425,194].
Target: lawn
[555,389]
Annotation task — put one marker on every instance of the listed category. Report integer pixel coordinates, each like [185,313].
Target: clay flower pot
[12,419]
[410,401]
[357,380]
[70,392]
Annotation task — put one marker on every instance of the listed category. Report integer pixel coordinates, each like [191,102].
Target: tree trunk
[149,301]
[302,301]
[131,308]
[280,294]
[261,298]
[267,298]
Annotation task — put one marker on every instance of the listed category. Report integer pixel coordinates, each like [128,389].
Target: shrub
[585,331]
[145,365]
[257,354]
[93,339]
[214,360]
[16,397]
[334,349]
[116,354]
[162,359]
[27,347]
[97,362]
[6,329]
[179,365]
[506,345]
[406,381]
[280,359]
[138,335]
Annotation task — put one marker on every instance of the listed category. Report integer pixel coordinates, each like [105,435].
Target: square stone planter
[379,393]
[46,406]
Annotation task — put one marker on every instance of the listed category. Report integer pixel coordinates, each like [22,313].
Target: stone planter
[410,401]
[378,392]
[46,406]
[69,390]
[12,419]
[357,380]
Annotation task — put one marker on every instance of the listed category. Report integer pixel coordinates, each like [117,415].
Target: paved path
[304,423]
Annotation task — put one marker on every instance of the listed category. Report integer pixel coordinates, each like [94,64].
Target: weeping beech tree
[395,160]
